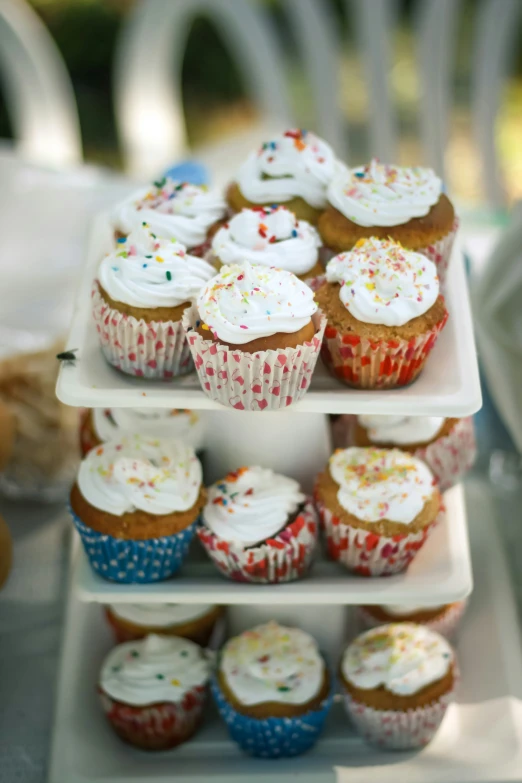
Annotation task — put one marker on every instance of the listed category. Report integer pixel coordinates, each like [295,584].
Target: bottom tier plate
[480,739]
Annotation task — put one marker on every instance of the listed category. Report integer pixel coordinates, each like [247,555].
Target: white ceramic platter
[480,740]
[440,573]
[449,385]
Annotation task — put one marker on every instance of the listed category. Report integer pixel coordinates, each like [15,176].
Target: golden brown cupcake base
[297,205]
[423,616]
[326,490]
[138,525]
[198,630]
[340,233]
[275,709]
[274,342]
[361,438]
[147,314]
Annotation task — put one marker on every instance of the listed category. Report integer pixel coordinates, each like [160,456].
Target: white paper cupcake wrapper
[157,349]
[396,729]
[440,252]
[371,554]
[446,624]
[266,380]
[453,455]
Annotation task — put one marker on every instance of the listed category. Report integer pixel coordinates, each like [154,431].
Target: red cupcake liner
[440,252]
[266,380]
[446,624]
[284,558]
[156,726]
[377,364]
[371,554]
[157,349]
[396,729]
[451,456]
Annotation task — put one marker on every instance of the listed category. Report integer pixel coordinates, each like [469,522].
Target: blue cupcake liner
[273,738]
[134,562]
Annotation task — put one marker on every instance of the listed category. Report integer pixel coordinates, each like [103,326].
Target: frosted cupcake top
[272,663]
[402,657]
[247,301]
[382,195]
[271,236]
[294,163]
[382,283]
[160,615]
[401,610]
[251,505]
[136,473]
[187,426]
[173,210]
[145,271]
[377,484]
[154,669]
[400,430]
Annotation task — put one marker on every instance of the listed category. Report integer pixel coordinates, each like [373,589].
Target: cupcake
[446,445]
[270,236]
[138,300]
[273,690]
[293,169]
[174,210]
[377,507]
[257,526]
[102,424]
[135,504]
[398,680]
[384,314]
[191,621]
[443,619]
[383,201]
[255,334]
[153,690]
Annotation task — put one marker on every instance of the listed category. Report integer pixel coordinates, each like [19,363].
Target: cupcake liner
[273,737]
[134,562]
[211,635]
[440,252]
[87,439]
[148,350]
[396,729]
[283,558]
[377,364]
[446,624]
[451,456]
[371,554]
[266,380]
[156,726]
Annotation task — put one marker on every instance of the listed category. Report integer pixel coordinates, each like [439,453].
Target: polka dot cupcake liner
[440,252]
[273,737]
[156,726]
[451,456]
[266,380]
[396,729]
[446,623]
[283,558]
[371,554]
[134,562]
[157,349]
[377,364]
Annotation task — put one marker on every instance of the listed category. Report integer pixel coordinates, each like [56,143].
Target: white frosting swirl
[379,484]
[382,195]
[173,210]
[160,615]
[401,429]
[402,610]
[272,663]
[294,163]
[251,505]
[246,301]
[154,670]
[271,236]
[187,426]
[402,657]
[382,283]
[132,472]
[147,272]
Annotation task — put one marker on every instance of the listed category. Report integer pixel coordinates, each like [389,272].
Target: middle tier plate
[440,574]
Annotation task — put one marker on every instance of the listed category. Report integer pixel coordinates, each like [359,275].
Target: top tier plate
[449,385]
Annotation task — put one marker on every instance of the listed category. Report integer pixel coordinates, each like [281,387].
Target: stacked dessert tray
[481,737]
